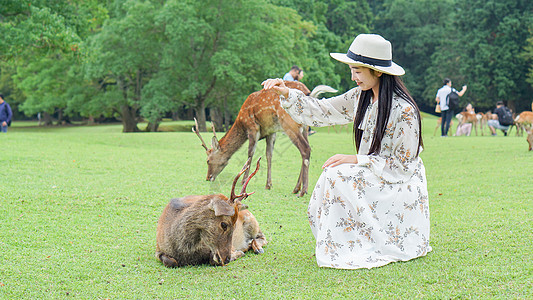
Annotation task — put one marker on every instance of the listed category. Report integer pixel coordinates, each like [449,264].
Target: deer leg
[257,249]
[258,243]
[168,261]
[252,142]
[270,140]
[236,255]
[302,144]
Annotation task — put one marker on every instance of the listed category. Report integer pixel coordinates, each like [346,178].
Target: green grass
[79,207]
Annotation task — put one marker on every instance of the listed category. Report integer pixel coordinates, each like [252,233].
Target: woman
[369,209]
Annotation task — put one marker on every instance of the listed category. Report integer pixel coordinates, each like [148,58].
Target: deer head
[199,229]
[216,161]
[223,242]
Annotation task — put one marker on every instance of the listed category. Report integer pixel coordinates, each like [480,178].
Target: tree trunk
[217,119]
[175,116]
[227,115]
[200,115]
[152,127]
[129,119]
[46,119]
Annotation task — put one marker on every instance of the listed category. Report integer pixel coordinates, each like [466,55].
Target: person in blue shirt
[293,74]
[5,114]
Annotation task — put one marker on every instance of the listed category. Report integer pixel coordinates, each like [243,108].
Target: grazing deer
[210,229]
[524,119]
[260,117]
[467,117]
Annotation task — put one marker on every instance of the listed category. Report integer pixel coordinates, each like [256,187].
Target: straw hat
[371,51]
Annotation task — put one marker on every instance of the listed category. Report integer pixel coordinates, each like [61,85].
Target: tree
[123,56]
[217,52]
[489,47]
[416,29]
[41,42]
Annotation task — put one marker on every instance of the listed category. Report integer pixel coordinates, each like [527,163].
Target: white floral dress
[374,212]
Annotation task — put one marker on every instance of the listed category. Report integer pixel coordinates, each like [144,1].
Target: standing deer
[210,229]
[260,117]
[468,117]
[529,132]
[524,119]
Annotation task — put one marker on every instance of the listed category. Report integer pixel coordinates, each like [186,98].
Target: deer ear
[214,143]
[221,208]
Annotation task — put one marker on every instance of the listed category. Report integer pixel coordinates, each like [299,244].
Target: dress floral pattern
[374,212]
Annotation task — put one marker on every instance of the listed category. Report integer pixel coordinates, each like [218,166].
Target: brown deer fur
[260,117]
[207,229]
[530,138]
[524,119]
[466,117]
[439,122]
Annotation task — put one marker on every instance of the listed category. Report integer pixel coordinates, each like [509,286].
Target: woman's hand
[278,85]
[338,159]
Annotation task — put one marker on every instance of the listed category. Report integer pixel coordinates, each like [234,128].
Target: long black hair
[389,85]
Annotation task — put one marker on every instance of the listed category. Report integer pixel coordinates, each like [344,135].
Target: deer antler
[195,130]
[214,133]
[243,190]
[243,195]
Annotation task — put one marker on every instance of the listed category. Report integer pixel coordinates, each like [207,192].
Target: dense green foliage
[150,58]
[79,207]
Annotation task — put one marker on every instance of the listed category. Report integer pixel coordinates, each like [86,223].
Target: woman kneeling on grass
[369,209]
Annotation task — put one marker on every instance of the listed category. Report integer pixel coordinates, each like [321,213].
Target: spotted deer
[208,229]
[261,117]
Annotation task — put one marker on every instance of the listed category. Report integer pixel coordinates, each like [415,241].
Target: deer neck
[233,140]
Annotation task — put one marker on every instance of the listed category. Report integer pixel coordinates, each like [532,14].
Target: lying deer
[210,229]
[260,117]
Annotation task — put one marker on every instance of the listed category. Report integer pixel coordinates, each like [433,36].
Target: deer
[261,117]
[467,117]
[529,132]
[484,118]
[522,120]
[208,229]
[439,122]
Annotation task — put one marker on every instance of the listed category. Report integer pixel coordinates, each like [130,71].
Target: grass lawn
[79,208]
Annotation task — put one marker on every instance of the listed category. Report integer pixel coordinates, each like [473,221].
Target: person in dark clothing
[501,119]
[5,114]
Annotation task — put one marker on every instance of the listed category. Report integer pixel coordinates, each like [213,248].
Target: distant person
[296,74]
[300,75]
[466,128]
[501,119]
[447,109]
[293,74]
[5,114]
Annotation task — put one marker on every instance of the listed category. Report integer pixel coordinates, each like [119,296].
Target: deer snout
[219,260]
[210,177]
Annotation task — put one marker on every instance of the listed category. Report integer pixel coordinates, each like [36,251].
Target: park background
[79,204]
[106,60]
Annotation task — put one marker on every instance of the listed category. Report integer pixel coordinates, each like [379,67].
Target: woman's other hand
[278,85]
[338,159]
